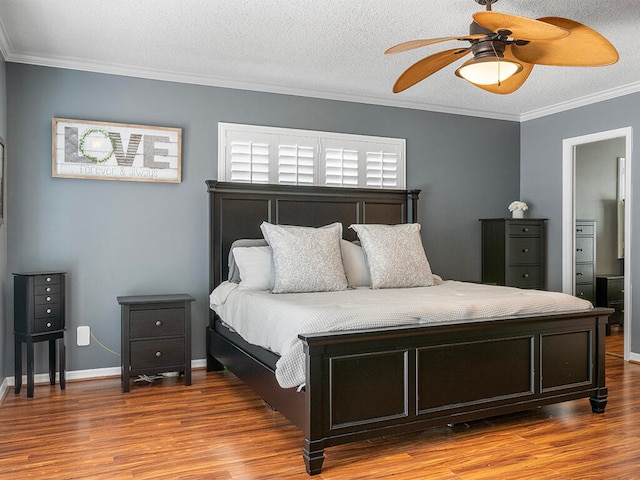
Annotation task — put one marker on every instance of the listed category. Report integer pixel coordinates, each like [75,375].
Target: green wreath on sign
[83,140]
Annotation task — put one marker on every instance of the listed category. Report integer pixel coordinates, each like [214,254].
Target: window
[255,154]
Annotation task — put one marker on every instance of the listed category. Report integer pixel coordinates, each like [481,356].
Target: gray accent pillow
[395,255]
[234,271]
[306,259]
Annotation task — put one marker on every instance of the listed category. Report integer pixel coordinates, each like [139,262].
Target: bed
[368,383]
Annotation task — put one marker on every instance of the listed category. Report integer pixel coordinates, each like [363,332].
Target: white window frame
[367,148]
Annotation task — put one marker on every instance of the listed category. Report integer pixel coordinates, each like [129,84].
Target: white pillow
[306,259]
[395,255]
[355,264]
[255,266]
[234,274]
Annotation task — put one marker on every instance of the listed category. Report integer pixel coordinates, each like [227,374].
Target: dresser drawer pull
[578,249]
[158,323]
[581,294]
[48,289]
[525,275]
[48,279]
[48,324]
[158,354]
[48,299]
[525,250]
[579,230]
[579,273]
[525,229]
[48,310]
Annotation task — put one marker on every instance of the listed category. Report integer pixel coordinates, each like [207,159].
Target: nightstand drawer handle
[48,324]
[578,249]
[579,273]
[48,310]
[158,323]
[525,229]
[158,354]
[526,275]
[581,294]
[579,230]
[48,289]
[48,279]
[48,299]
[525,250]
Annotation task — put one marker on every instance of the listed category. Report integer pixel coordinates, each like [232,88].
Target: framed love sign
[116,151]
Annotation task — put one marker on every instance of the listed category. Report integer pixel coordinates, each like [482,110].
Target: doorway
[570,147]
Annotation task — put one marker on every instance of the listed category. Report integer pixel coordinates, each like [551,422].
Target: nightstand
[610,293]
[39,316]
[156,336]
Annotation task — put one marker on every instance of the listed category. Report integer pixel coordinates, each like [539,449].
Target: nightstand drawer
[584,272]
[42,325]
[585,228]
[47,311]
[615,289]
[161,322]
[157,353]
[525,250]
[525,229]
[584,249]
[525,277]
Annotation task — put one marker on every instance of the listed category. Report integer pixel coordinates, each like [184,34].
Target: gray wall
[120,238]
[596,198]
[541,175]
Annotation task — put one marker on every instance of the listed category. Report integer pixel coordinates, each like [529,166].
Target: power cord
[104,346]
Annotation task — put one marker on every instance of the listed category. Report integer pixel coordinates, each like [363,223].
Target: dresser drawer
[584,249]
[157,322]
[524,251]
[584,273]
[157,353]
[525,229]
[47,311]
[47,299]
[586,291]
[585,229]
[47,279]
[525,277]
[46,289]
[42,325]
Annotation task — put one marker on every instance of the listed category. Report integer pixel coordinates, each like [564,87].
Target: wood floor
[218,429]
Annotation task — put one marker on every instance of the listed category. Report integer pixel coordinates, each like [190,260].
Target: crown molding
[582,101]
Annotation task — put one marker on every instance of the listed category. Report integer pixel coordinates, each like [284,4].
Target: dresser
[156,336]
[610,293]
[585,258]
[514,252]
[39,316]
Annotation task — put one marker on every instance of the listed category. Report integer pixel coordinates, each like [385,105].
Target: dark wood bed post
[599,401]
[412,197]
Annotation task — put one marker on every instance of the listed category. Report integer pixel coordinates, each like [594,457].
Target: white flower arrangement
[518,205]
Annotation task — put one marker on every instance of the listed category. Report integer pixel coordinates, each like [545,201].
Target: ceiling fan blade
[584,47]
[522,28]
[512,83]
[410,45]
[427,66]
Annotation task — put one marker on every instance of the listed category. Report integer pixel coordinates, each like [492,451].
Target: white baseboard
[81,375]
[4,386]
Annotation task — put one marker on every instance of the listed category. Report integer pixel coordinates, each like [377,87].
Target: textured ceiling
[321,48]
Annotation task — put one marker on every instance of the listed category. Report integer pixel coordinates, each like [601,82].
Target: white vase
[517,214]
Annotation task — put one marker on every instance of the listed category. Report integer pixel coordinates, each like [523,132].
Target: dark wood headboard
[236,211]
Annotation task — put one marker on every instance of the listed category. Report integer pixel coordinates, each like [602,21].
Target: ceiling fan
[506,47]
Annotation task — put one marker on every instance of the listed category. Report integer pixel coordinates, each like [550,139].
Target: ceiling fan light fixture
[488,70]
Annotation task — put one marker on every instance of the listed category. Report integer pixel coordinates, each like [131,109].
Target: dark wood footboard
[367,384]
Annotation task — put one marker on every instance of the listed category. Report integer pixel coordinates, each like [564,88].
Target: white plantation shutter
[341,167]
[256,154]
[296,164]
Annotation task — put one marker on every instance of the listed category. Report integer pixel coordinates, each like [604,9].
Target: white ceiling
[320,48]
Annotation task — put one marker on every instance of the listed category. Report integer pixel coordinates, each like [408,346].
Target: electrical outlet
[83,336]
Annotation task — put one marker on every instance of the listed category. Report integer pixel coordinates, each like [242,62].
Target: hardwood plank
[218,429]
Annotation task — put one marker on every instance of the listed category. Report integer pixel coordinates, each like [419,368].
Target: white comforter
[274,321]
